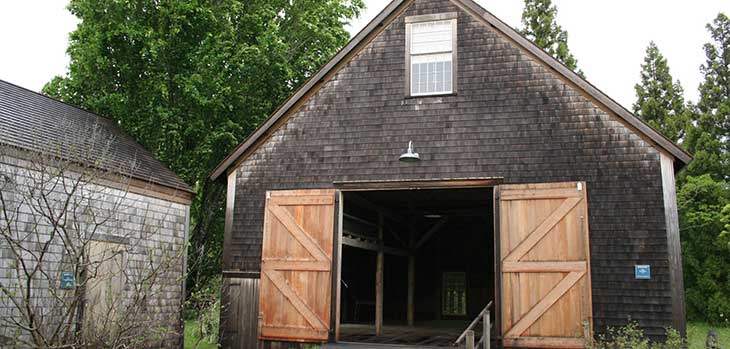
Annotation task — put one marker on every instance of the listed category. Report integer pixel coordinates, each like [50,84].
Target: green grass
[191,337]
[697,333]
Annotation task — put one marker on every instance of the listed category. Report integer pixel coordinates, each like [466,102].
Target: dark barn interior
[449,233]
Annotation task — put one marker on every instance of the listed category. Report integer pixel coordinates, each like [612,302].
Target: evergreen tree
[191,79]
[709,140]
[704,194]
[540,25]
[659,99]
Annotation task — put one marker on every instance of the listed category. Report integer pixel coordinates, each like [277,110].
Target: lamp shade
[410,155]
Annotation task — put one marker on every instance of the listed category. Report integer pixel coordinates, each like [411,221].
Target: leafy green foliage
[704,204]
[632,336]
[190,79]
[540,26]
[659,98]
[704,194]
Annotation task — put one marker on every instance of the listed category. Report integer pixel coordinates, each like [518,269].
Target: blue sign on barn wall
[68,281]
[642,272]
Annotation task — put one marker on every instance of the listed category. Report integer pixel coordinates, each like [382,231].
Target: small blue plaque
[642,272]
[68,281]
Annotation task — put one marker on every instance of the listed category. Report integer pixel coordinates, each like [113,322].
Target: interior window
[454,293]
[431,57]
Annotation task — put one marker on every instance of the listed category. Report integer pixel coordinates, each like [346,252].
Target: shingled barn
[93,231]
[529,199]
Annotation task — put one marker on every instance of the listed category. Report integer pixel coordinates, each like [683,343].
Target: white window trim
[454,61]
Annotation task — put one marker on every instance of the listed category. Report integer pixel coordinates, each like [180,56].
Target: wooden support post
[487,331]
[411,276]
[379,280]
[470,339]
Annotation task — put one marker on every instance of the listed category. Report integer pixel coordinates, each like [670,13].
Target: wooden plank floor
[435,335]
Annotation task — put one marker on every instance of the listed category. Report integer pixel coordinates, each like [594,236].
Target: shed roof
[35,122]
[385,17]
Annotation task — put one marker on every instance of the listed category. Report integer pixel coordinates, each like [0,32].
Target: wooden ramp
[363,336]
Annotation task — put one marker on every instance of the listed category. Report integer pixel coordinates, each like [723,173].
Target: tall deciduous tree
[659,99]
[190,79]
[540,25]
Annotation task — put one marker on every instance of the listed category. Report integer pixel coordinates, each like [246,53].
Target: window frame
[410,20]
[443,294]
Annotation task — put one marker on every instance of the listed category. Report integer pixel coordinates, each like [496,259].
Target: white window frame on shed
[431,54]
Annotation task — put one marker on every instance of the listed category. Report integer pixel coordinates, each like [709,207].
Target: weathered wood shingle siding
[141,224]
[511,117]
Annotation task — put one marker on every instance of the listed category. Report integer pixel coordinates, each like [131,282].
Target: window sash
[431,57]
[431,74]
[431,37]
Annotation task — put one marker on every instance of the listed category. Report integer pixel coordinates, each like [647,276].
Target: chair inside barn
[435,273]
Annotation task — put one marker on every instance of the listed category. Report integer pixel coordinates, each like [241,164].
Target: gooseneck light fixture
[410,155]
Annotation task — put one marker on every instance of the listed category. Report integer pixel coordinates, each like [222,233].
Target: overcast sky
[607,37]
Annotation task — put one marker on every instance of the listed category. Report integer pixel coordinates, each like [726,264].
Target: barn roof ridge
[470,6]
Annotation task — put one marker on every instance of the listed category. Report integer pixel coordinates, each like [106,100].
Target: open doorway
[438,264]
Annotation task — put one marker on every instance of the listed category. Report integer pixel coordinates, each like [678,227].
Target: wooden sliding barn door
[296,266]
[545,265]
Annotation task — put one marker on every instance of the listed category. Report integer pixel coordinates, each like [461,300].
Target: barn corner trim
[391,11]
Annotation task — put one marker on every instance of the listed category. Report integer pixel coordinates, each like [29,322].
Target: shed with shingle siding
[518,115]
[152,204]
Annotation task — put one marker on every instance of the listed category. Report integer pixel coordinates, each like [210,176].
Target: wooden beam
[475,211]
[434,229]
[543,267]
[365,245]
[416,184]
[365,203]
[297,265]
[361,220]
[676,281]
[379,281]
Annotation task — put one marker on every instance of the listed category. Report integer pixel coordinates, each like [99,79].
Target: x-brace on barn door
[545,265]
[296,266]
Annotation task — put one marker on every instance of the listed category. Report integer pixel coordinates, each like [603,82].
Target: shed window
[454,293]
[431,57]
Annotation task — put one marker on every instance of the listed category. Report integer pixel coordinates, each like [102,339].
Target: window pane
[415,77]
[431,74]
[447,77]
[428,37]
[454,293]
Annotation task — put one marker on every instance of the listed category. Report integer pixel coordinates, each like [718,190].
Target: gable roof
[35,122]
[386,16]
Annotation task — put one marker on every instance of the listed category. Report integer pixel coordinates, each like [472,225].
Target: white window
[431,54]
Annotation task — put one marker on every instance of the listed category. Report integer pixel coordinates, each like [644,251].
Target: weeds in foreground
[632,336]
